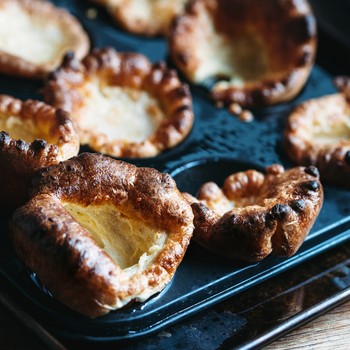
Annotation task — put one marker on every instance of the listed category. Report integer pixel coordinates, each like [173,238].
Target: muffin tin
[218,145]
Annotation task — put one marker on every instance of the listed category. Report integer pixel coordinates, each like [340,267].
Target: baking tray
[218,145]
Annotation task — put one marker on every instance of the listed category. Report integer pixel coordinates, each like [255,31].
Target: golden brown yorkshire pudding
[145,17]
[261,52]
[318,133]
[101,233]
[254,214]
[34,36]
[33,135]
[123,105]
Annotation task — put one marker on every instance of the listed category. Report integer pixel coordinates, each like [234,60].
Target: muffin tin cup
[190,176]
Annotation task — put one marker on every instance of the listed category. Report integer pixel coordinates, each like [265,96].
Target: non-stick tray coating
[218,145]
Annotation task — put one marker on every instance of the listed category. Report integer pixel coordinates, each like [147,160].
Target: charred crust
[269,217]
[4,137]
[21,145]
[39,145]
[258,96]
[311,185]
[298,205]
[312,170]
[68,59]
[302,28]
[280,211]
[69,62]
[181,92]
[52,75]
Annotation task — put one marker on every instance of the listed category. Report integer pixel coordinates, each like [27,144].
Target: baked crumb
[219,104]
[246,116]
[235,108]
[91,13]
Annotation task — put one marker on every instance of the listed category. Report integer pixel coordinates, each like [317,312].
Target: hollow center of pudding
[225,204]
[331,128]
[234,57]
[120,113]
[240,190]
[237,61]
[239,42]
[31,37]
[127,241]
[19,129]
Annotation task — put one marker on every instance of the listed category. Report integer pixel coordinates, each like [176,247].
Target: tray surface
[218,145]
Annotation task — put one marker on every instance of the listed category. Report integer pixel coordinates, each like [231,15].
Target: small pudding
[35,35]
[144,17]
[318,133]
[259,52]
[256,214]
[123,105]
[101,233]
[33,135]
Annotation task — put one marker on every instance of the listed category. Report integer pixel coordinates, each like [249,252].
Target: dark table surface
[265,308]
[273,308]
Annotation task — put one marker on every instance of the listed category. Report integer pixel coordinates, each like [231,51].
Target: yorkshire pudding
[101,233]
[318,133]
[254,214]
[33,135]
[146,17]
[261,52]
[34,36]
[123,105]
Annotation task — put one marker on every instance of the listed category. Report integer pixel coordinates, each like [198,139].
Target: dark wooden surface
[329,331]
[14,335]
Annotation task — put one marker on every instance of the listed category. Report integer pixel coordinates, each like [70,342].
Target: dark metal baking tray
[218,145]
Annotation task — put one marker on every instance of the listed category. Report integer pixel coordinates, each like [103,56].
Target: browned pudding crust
[145,17]
[35,35]
[101,233]
[261,52]
[33,135]
[123,105]
[254,214]
[318,133]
